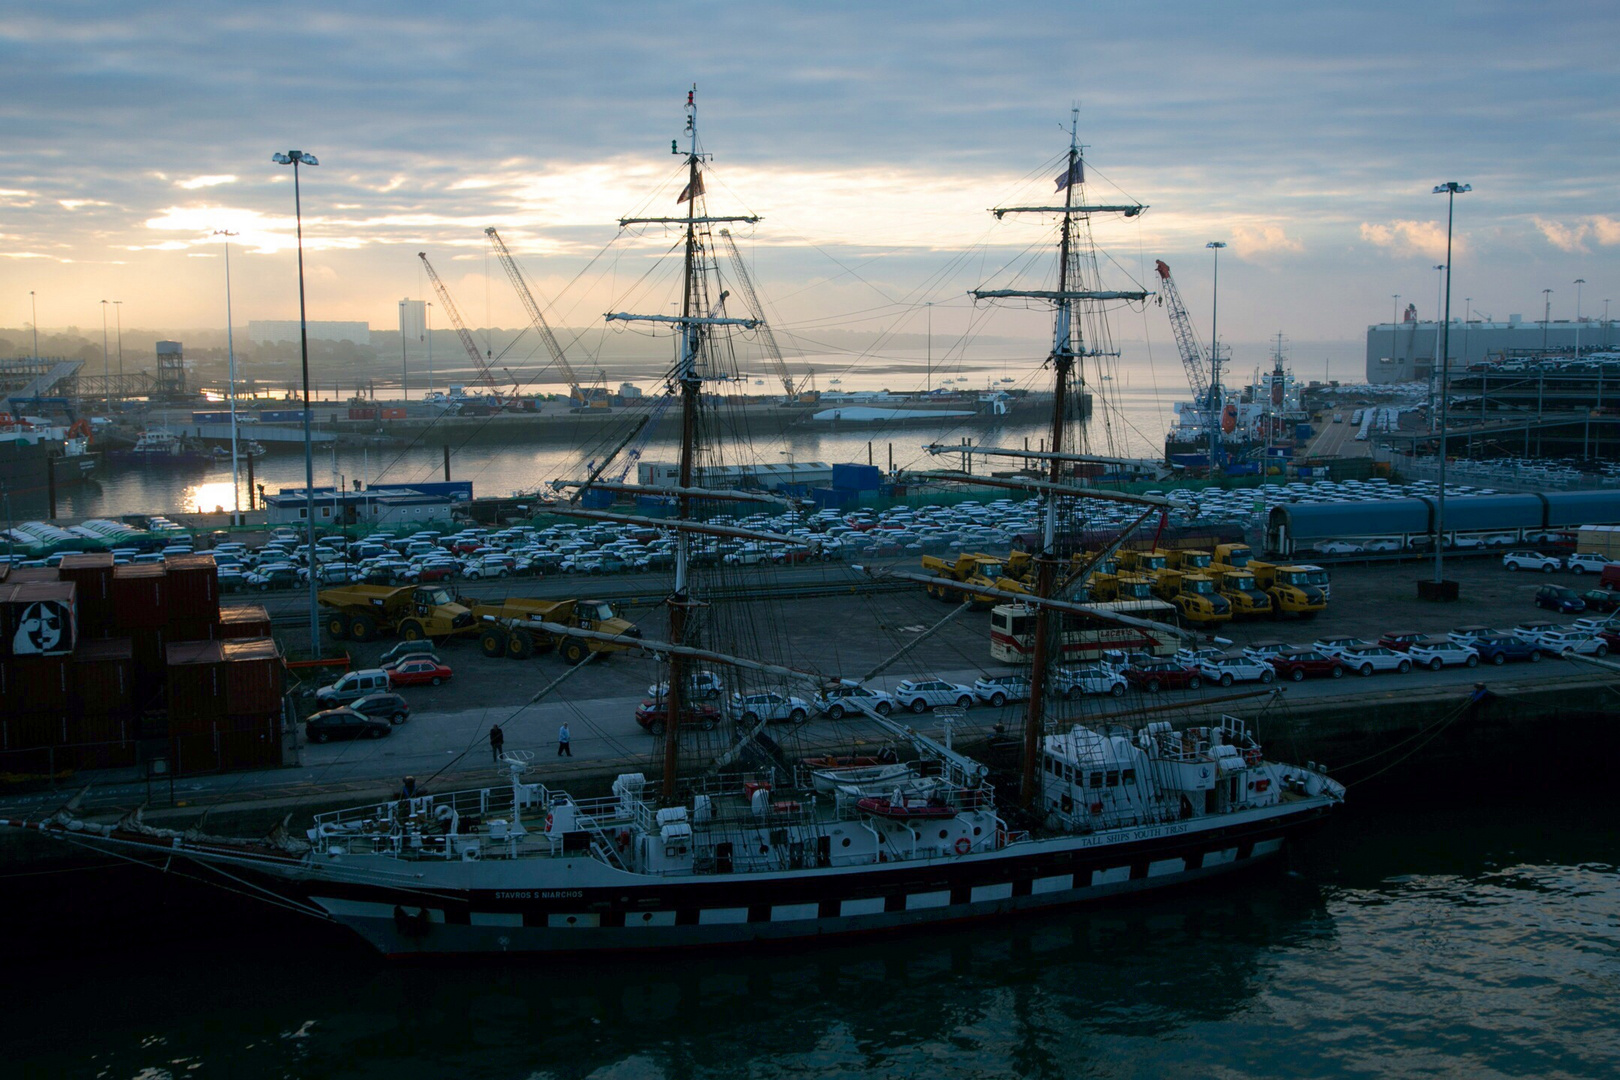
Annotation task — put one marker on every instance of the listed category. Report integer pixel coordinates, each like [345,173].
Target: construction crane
[758,311]
[1192,354]
[541,327]
[479,361]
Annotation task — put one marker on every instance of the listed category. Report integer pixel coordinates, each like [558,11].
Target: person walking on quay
[563,747]
[497,740]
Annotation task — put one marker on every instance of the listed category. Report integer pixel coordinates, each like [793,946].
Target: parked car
[770,706]
[1155,675]
[1566,642]
[997,690]
[1583,562]
[353,686]
[1339,547]
[654,715]
[417,670]
[1531,560]
[1468,635]
[1532,630]
[273,576]
[1500,649]
[1263,651]
[1227,670]
[1090,679]
[1336,646]
[1603,600]
[835,702]
[1558,598]
[331,725]
[1370,659]
[1435,655]
[1300,664]
[699,685]
[390,707]
[920,694]
[1401,640]
[403,649]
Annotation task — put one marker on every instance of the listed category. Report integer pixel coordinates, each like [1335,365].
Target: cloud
[1410,237]
[206,181]
[1572,238]
[1250,241]
[74,204]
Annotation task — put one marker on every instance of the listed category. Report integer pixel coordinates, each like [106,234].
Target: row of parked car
[363,703]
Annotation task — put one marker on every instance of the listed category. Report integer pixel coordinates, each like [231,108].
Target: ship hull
[562,905]
[24,467]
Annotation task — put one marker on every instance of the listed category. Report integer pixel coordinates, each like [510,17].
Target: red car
[419,670]
[1401,640]
[431,572]
[1297,664]
[654,715]
[1157,675]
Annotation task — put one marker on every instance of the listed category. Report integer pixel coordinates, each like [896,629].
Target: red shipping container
[101,742]
[140,597]
[24,730]
[243,621]
[193,587]
[196,686]
[254,677]
[249,742]
[102,680]
[183,629]
[391,414]
[357,413]
[38,618]
[34,684]
[91,574]
[151,648]
[31,575]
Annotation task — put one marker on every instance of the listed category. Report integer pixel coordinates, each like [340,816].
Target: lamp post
[1214,403]
[1578,283]
[1468,313]
[1394,324]
[427,332]
[33,305]
[1546,315]
[230,348]
[1439,284]
[404,364]
[296,158]
[930,308]
[118,313]
[1450,190]
[106,367]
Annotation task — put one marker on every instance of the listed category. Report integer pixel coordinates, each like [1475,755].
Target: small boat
[158,447]
[904,809]
[829,780]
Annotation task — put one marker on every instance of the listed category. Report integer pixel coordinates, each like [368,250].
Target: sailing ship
[827,847]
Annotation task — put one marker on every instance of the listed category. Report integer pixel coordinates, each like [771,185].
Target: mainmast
[689,385]
[1062,360]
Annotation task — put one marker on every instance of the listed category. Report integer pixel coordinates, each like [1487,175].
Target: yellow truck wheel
[337,627]
[574,651]
[492,642]
[519,645]
[362,628]
[411,630]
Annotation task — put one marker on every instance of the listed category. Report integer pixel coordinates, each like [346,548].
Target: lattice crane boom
[541,327]
[1192,353]
[771,348]
[479,361]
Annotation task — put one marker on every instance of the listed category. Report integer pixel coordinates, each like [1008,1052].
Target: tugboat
[156,446]
[747,849]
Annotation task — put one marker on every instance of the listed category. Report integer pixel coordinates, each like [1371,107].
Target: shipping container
[243,621]
[195,686]
[27,729]
[193,587]
[203,629]
[391,414]
[223,417]
[38,618]
[101,680]
[255,744]
[849,477]
[254,677]
[357,413]
[33,683]
[99,742]
[140,598]
[92,575]
[31,575]
[284,416]
[151,648]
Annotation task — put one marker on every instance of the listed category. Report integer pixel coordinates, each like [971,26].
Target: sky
[870,138]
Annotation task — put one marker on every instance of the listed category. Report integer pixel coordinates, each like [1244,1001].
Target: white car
[1470,635]
[1565,642]
[699,685]
[919,695]
[1531,560]
[1435,655]
[837,702]
[1582,561]
[1339,547]
[1597,624]
[1533,632]
[1384,544]
[770,706]
[1227,670]
[1371,659]
[1095,679]
[1263,651]
[997,690]
[1335,646]
[493,566]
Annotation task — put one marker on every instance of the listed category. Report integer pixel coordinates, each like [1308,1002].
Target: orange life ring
[963,845]
[548,823]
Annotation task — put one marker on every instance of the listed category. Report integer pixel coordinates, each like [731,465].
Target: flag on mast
[695,188]
[1075,175]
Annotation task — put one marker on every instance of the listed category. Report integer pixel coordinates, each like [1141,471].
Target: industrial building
[1300,527]
[374,506]
[1405,351]
[275,331]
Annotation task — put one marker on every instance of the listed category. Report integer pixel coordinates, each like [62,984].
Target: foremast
[1062,359]
[693,324]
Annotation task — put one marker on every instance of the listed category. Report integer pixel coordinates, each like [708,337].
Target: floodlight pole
[1451,190]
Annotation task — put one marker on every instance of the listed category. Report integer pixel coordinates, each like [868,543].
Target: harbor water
[1471,935]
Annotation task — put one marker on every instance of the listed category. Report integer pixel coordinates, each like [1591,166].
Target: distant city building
[376,506]
[276,331]
[629,390]
[1405,351]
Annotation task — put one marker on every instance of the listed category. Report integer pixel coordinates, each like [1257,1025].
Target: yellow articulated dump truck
[511,627]
[1121,587]
[1291,589]
[1189,559]
[1248,600]
[1232,556]
[1144,562]
[413,612]
[970,568]
[1194,596]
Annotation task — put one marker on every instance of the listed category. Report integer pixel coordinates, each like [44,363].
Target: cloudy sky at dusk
[870,137]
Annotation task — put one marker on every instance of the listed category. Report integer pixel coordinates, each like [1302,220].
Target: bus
[1084,639]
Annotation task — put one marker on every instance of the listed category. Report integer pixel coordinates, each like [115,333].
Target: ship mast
[1062,360]
[689,384]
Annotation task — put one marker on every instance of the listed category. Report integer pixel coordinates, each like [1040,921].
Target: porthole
[846,842]
[977,830]
[943,833]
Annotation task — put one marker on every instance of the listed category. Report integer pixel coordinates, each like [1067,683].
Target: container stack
[255,678]
[92,577]
[141,613]
[193,597]
[243,621]
[100,729]
[38,630]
